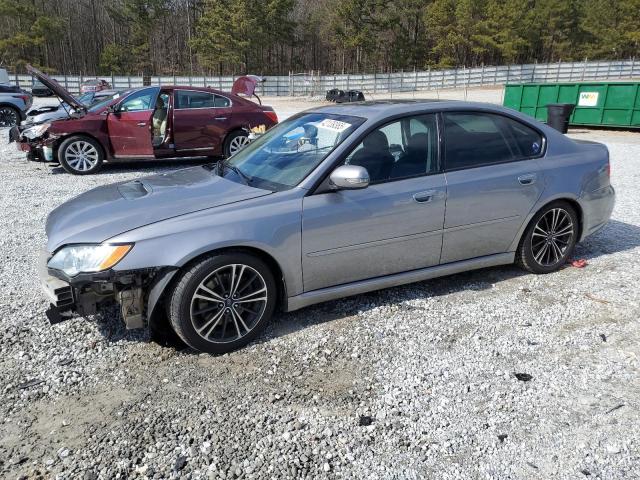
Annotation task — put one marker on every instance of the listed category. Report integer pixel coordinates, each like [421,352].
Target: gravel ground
[411,382]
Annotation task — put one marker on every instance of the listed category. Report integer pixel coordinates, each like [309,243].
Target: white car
[49,113]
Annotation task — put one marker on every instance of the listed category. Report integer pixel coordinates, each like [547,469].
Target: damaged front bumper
[136,292]
[37,149]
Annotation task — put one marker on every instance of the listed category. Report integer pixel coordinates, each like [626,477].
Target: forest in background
[221,37]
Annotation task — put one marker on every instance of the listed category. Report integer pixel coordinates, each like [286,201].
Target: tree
[30,35]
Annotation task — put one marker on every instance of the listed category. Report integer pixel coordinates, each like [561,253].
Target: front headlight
[88,258]
[35,132]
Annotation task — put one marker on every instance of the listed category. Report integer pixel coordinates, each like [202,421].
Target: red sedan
[95,85]
[144,123]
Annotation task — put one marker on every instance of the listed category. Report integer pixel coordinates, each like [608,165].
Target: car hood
[56,88]
[101,213]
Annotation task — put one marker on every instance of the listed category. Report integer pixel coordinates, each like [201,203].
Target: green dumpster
[611,104]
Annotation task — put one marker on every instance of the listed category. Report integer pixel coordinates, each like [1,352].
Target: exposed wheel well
[262,255]
[59,141]
[228,134]
[161,329]
[571,202]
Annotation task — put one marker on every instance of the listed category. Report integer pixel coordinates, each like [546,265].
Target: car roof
[380,109]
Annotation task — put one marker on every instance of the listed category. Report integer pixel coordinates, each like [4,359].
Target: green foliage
[25,42]
[141,17]
[115,59]
[276,36]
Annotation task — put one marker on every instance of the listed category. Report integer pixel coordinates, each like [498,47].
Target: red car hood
[57,89]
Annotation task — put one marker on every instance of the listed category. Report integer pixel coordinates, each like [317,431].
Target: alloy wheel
[552,236]
[8,117]
[81,156]
[237,144]
[228,303]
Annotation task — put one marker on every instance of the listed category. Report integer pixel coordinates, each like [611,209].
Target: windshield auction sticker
[335,125]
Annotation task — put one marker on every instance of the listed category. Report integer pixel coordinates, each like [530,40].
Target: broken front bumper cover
[85,293]
[38,149]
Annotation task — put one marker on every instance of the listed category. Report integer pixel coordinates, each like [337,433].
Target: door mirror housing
[349,177]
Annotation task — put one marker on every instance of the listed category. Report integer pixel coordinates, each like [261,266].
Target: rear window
[190,99]
[221,102]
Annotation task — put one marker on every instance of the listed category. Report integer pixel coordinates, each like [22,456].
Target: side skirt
[378,283]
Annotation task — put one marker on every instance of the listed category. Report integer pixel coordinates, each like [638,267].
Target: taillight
[271,115]
[609,169]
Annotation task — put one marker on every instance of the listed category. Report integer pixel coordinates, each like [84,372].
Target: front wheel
[80,155]
[549,239]
[9,116]
[222,302]
[235,142]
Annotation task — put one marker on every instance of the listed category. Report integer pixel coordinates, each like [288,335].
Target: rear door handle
[142,124]
[527,179]
[424,197]
[220,118]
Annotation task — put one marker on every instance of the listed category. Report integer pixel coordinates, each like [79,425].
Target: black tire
[9,116]
[202,324]
[540,234]
[80,155]
[231,141]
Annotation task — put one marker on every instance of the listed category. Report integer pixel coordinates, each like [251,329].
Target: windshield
[287,153]
[106,101]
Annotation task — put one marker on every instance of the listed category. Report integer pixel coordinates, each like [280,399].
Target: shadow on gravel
[615,237]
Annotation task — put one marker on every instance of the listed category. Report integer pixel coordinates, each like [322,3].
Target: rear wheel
[80,155]
[235,142]
[222,302]
[9,116]
[549,239]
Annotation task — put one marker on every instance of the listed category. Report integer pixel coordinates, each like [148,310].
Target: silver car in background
[335,201]
[14,103]
[49,113]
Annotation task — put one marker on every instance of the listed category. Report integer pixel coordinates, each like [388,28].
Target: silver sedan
[335,201]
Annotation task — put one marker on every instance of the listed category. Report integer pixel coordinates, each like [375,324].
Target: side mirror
[111,109]
[349,177]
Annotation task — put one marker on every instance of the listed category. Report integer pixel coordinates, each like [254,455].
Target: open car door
[130,124]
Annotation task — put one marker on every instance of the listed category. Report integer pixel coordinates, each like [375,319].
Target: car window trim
[542,153]
[399,117]
[175,93]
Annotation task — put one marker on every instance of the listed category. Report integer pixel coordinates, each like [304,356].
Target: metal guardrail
[312,83]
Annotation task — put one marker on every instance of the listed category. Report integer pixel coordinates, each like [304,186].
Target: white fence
[311,84]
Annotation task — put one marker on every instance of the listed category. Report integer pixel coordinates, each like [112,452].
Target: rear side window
[477,139]
[528,141]
[189,99]
[221,102]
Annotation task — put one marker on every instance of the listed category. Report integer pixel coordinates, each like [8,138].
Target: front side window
[474,139]
[405,148]
[191,99]
[287,153]
[139,101]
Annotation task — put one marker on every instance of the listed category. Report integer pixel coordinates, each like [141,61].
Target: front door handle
[424,197]
[220,118]
[142,124]
[528,179]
